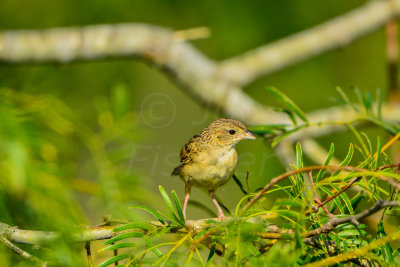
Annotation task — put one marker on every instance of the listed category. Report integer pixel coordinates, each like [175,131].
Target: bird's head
[227,132]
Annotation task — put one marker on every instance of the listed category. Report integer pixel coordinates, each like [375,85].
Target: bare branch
[207,80]
[21,252]
[327,36]
[334,221]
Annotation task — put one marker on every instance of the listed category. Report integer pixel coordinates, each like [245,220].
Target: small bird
[209,159]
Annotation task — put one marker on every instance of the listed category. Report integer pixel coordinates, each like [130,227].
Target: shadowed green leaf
[386,249]
[286,134]
[378,153]
[347,159]
[335,200]
[178,206]
[346,99]
[123,236]
[167,200]
[359,138]
[119,245]
[345,199]
[113,260]
[327,161]
[155,213]
[156,251]
[300,164]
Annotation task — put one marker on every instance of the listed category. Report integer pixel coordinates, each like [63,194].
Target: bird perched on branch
[209,159]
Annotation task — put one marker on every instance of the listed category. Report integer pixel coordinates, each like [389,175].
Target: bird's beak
[248,135]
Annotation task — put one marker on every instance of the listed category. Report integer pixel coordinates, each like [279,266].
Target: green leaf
[167,200]
[212,252]
[299,155]
[155,213]
[346,99]
[113,260]
[349,232]
[326,163]
[156,251]
[392,128]
[378,153]
[347,159]
[291,115]
[345,199]
[368,103]
[123,236]
[286,134]
[335,200]
[300,164]
[396,253]
[355,201]
[134,225]
[288,103]
[386,249]
[360,98]
[359,138]
[120,245]
[178,206]
[368,142]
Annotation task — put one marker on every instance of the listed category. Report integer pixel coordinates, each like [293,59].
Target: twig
[316,198]
[338,193]
[115,254]
[89,254]
[334,221]
[324,37]
[193,227]
[21,252]
[216,84]
[395,165]
[307,169]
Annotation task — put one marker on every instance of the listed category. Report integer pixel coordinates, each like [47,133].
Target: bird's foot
[221,216]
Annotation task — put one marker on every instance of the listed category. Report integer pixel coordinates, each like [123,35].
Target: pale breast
[211,169]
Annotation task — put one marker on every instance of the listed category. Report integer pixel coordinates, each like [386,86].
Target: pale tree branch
[218,84]
[333,34]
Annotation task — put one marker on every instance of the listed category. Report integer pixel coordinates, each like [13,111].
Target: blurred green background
[82,140]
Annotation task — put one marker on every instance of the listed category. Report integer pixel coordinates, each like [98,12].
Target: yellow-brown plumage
[209,159]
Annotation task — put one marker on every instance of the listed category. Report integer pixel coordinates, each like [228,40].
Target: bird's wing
[187,152]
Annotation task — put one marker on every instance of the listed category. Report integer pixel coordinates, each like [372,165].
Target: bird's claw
[221,216]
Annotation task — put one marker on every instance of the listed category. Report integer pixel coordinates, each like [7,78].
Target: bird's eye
[232,132]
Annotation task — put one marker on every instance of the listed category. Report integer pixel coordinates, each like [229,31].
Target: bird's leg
[187,195]
[221,215]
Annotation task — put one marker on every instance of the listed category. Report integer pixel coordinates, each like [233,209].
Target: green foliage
[50,159]
[276,232]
